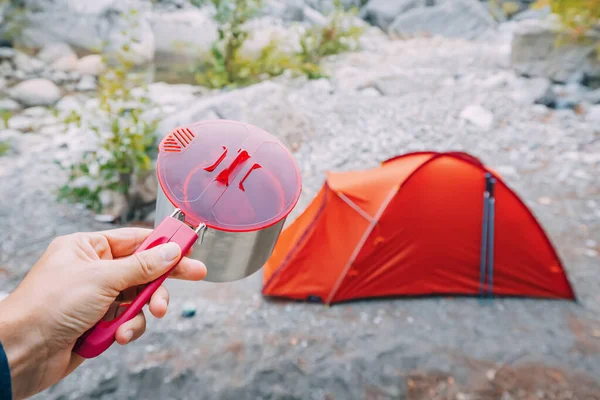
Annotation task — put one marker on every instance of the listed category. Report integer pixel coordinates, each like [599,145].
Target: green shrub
[226,67]
[126,136]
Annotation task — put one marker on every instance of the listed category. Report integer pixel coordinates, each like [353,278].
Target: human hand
[79,280]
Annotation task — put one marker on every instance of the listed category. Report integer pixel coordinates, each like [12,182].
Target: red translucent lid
[228,175]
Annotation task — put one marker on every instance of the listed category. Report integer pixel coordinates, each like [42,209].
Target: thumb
[143,267]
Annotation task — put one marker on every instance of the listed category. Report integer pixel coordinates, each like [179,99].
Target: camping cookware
[228,183]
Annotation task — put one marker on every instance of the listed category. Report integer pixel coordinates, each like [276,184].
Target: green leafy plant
[125,134]
[578,17]
[12,19]
[337,36]
[227,67]
[5,115]
[4,148]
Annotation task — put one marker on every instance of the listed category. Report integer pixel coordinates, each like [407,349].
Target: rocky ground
[391,97]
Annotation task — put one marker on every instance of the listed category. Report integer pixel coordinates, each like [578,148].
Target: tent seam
[353,205]
[363,240]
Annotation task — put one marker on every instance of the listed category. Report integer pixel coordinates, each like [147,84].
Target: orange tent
[412,226]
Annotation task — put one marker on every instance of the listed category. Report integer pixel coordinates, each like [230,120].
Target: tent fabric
[412,227]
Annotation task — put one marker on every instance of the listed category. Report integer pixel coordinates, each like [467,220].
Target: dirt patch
[524,382]
[587,334]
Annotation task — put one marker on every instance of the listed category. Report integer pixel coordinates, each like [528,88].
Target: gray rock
[87,83]
[592,97]
[27,64]
[35,92]
[66,63]
[92,26]
[287,10]
[383,12]
[402,84]
[263,31]
[176,33]
[68,103]
[465,19]
[535,52]
[9,105]
[90,65]
[6,69]
[478,116]
[113,204]
[593,114]
[536,91]
[20,122]
[328,6]
[314,17]
[59,77]
[6,53]
[36,112]
[145,187]
[532,13]
[55,51]
[3,84]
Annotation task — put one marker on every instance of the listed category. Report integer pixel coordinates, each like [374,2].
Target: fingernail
[163,303]
[170,251]
[128,335]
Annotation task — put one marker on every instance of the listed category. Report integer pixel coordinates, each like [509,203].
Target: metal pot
[239,181]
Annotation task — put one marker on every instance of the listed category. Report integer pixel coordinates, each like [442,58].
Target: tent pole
[492,201]
[484,236]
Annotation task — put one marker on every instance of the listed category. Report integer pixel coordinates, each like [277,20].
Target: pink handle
[102,335]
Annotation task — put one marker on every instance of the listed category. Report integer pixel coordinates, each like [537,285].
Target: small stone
[478,116]
[410,320]
[3,295]
[490,374]
[35,92]
[6,53]
[20,122]
[545,200]
[189,310]
[507,170]
[67,63]
[596,333]
[506,396]
[90,65]
[9,105]
[68,103]
[87,83]
[590,243]
[104,218]
[593,114]
[55,51]
[591,253]
[36,112]
[370,91]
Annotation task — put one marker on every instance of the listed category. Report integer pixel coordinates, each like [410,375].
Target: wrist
[24,346]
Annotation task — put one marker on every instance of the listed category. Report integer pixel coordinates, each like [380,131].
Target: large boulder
[383,12]
[35,92]
[91,26]
[540,49]
[465,19]
[186,33]
[265,104]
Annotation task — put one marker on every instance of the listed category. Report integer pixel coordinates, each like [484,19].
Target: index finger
[124,241]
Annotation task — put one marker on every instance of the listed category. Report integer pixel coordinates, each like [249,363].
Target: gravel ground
[391,98]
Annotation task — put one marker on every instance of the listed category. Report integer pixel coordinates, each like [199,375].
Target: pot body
[228,256]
